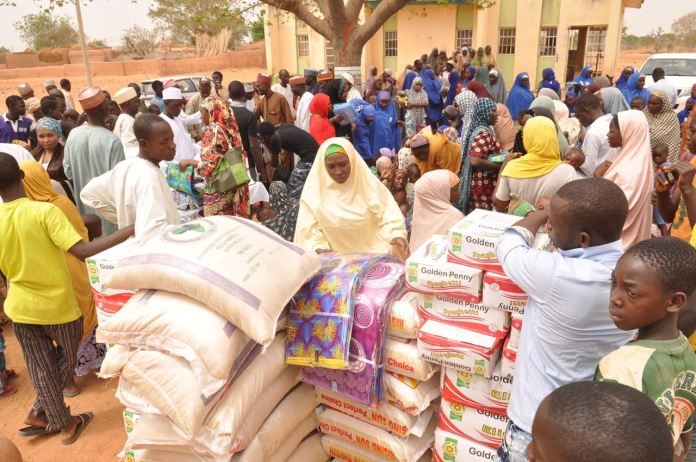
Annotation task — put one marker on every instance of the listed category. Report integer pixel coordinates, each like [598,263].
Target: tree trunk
[347,53]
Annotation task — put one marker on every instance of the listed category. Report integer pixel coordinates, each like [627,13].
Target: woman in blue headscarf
[453,82]
[627,72]
[469,75]
[520,96]
[363,127]
[635,88]
[479,175]
[432,87]
[384,128]
[585,76]
[548,80]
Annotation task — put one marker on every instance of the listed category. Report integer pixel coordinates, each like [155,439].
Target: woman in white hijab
[433,212]
[569,126]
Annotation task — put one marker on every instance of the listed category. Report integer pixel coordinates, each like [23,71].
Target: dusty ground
[101,441]
[634,58]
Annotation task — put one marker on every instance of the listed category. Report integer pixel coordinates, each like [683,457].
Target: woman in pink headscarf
[632,172]
[433,213]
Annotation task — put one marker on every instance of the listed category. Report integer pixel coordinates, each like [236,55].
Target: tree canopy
[44,30]
[685,28]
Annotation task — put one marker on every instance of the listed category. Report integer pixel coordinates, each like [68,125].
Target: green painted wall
[508,18]
[465,17]
[508,13]
[550,13]
[506,65]
[542,63]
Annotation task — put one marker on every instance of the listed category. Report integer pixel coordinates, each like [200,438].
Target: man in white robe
[135,192]
[186,149]
[284,88]
[128,100]
[304,97]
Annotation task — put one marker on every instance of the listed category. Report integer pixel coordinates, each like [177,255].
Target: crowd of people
[604,165]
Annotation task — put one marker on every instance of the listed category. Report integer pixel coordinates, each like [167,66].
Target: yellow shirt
[35,236]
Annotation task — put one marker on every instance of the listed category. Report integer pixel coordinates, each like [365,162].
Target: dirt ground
[101,441]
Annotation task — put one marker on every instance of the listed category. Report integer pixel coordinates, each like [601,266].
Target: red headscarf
[478,89]
[319,126]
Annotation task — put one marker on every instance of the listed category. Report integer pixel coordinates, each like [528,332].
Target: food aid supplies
[403,317]
[515,331]
[463,349]
[402,357]
[379,442]
[453,448]
[508,360]
[488,394]
[501,293]
[99,267]
[293,440]
[310,450]
[295,412]
[472,241]
[481,426]
[130,418]
[224,263]
[410,395]
[174,324]
[429,272]
[467,315]
[344,451]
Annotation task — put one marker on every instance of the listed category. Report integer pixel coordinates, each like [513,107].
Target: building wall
[423,27]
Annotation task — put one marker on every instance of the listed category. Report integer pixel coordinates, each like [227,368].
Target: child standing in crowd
[40,301]
[602,422]
[660,152]
[649,287]
[584,220]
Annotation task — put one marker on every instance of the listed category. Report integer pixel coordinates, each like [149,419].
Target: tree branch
[297,8]
[353,11]
[379,16]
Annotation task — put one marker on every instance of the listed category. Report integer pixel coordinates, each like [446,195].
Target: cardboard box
[501,293]
[516,331]
[102,264]
[454,448]
[507,364]
[459,348]
[464,314]
[487,394]
[130,418]
[429,272]
[480,426]
[472,241]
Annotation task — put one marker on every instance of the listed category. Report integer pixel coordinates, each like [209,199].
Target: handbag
[231,171]
[182,181]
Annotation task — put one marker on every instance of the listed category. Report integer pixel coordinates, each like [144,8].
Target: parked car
[680,71]
[187,84]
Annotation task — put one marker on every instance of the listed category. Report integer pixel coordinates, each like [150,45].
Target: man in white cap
[128,101]
[353,93]
[91,149]
[30,100]
[185,147]
[50,85]
[252,98]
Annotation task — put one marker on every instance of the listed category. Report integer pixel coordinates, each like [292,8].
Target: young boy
[650,286]
[660,152]
[136,191]
[602,422]
[567,328]
[40,300]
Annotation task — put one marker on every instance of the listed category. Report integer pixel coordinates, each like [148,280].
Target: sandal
[33,430]
[86,418]
[71,394]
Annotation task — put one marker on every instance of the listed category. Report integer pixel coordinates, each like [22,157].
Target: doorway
[577,41]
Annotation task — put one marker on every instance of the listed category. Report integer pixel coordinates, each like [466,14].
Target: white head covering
[172,93]
[124,95]
[348,78]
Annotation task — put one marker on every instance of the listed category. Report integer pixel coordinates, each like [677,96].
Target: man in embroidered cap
[27,94]
[186,149]
[49,85]
[128,101]
[283,87]
[252,98]
[299,89]
[91,149]
[323,80]
[310,76]
[273,107]
[193,105]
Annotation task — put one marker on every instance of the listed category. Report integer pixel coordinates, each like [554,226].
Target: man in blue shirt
[567,327]
[158,88]
[14,125]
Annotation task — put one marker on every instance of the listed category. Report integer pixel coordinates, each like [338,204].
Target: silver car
[188,85]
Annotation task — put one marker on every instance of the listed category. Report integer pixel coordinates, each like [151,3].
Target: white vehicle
[680,71]
[187,84]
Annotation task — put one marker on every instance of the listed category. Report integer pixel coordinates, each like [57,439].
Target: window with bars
[391,43]
[506,41]
[547,41]
[302,45]
[464,38]
[329,55]
[594,51]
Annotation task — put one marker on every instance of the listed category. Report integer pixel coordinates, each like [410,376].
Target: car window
[186,85]
[676,67]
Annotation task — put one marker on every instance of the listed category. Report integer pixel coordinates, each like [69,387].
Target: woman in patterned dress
[221,134]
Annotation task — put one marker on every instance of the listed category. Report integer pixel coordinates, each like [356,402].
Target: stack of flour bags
[467,306]
[200,348]
[337,333]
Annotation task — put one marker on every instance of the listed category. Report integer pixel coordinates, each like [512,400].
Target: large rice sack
[157,455]
[167,383]
[409,395]
[404,319]
[289,423]
[271,397]
[293,440]
[454,448]
[380,442]
[226,263]
[402,357]
[173,323]
[155,432]
[310,450]
[344,451]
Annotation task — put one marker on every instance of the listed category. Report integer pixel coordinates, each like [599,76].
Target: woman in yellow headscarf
[538,174]
[345,208]
[90,354]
